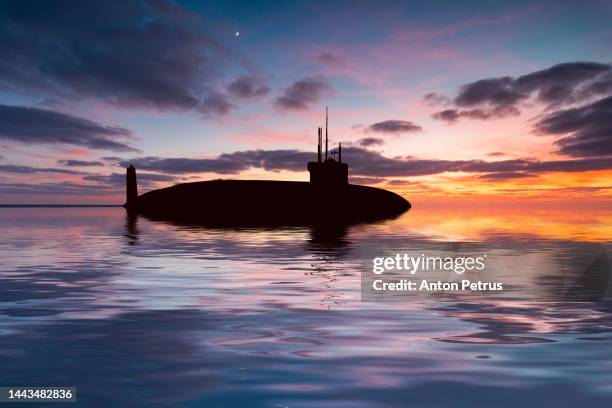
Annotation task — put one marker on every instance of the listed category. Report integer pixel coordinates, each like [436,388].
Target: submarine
[327,198]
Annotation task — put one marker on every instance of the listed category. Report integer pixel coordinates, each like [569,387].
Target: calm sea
[138,313]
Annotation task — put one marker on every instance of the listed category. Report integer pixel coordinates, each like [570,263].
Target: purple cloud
[41,126]
[452,115]
[499,97]
[248,87]
[494,91]
[118,179]
[80,163]
[13,168]
[508,175]
[371,141]
[59,188]
[362,162]
[215,104]
[331,60]
[302,94]
[436,99]
[587,129]
[151,54]
[394,127]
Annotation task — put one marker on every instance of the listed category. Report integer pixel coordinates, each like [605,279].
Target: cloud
[366,180]
[118,179]
[588,129]
[581,189]
[560,84]
[80,163]
[331,60]
[506,175]
[52,103]
[371,141]
[302,94]
[452,115]
[447,115]
[35,125]
[272,160]
[186,165]
[566,83]
[248,87]
[413,186]
[373,164]
[114,159]
[362,162]
[399,182]
[57,188]
[493,91]
[534,166]
[13,168]
[394,127]
[436,99]
[150,54]
[227,163]
[215,104]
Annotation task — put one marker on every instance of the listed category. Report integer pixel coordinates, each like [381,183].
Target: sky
[476,100]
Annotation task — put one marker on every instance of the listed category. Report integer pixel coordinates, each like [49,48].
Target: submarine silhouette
[327,198]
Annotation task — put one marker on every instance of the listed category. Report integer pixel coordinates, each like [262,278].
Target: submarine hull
[254,202]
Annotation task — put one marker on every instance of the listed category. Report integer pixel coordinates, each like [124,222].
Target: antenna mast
[320,137]
[326,120]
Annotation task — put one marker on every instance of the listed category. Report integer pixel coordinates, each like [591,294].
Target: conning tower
[131,187]
[328,172]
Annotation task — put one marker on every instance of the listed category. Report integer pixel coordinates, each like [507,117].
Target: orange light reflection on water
[475,222]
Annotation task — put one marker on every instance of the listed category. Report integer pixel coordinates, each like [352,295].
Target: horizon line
[58,205]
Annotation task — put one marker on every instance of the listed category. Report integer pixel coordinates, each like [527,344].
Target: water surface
[137,313]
